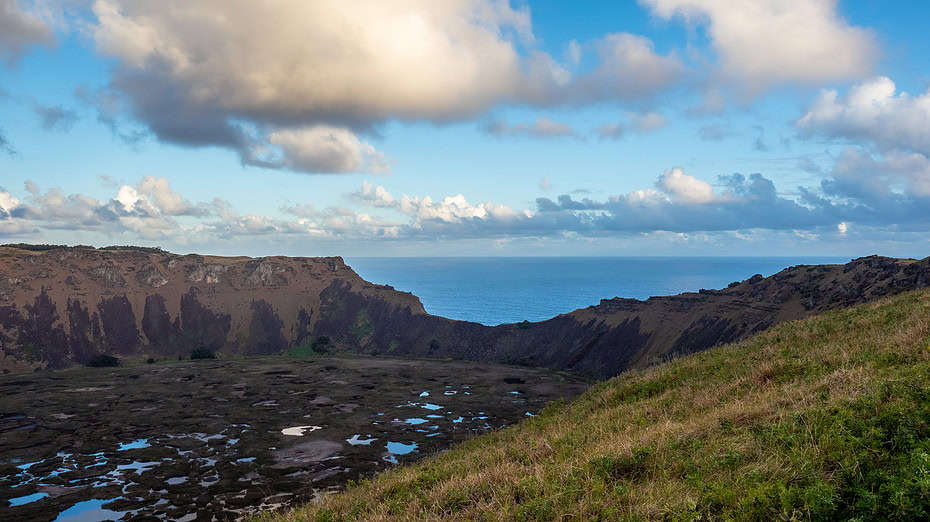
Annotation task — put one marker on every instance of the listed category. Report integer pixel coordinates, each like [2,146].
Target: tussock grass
[826,418]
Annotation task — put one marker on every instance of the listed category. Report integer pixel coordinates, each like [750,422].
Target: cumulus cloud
[768,42]
[7,203]
[238,74]
[55,117]
[542,128]
[871,111]
[166,199]
[320,149]
[683,187]
[146,210]
[451,209]
[20,30]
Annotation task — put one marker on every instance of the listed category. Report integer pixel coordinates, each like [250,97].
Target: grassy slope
[823,418]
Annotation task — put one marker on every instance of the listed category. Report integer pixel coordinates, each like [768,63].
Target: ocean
[494,290]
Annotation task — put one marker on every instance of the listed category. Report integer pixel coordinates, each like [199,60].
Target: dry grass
[794,423]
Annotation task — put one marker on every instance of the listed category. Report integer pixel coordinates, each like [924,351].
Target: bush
[202,353]
[103,361]
[321,344]
[150,360]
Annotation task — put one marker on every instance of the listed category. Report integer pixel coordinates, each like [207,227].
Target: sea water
[494,290]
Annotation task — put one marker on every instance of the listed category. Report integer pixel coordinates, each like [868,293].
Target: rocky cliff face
[64,306]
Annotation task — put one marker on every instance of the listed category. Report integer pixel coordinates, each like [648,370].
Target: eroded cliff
[63,306]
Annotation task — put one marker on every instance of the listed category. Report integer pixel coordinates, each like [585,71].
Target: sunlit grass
[823,418]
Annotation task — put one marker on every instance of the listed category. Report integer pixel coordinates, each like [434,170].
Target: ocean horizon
[496,290]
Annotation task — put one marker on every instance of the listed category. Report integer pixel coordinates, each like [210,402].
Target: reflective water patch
[300,431]
[19,501]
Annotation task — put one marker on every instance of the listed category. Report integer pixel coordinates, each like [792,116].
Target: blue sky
[469,127]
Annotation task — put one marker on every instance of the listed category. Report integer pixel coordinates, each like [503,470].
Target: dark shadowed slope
[63,306]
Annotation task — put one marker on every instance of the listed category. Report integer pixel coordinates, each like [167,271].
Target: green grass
[362,326]
[827,418]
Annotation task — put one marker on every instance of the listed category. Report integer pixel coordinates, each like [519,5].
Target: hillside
[63,306]
[825,418]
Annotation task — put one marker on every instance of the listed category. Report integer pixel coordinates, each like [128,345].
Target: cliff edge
[63,306]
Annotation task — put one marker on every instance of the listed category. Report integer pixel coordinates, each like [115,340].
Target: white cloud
[237,74]
[325,149]
[842,228]
[7,203]
[170,203]
[451,209]
[890,191]
[128,197]
[684,187]
[767,42]
[363,60]
[629,68]
[648,122]
[542,128]
[19,30]
[872,111]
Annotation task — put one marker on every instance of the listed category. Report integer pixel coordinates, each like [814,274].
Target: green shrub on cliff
[103,361]
[824,419]
[311,347]
[202,353]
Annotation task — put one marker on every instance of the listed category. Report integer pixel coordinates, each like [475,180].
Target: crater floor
[192,440]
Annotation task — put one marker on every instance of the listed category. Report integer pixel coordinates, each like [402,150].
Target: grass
[826,418]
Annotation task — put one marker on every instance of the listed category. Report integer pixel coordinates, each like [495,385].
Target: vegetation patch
[202,353]
[362,327]
[103,361]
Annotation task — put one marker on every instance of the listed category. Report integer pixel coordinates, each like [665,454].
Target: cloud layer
[888,192]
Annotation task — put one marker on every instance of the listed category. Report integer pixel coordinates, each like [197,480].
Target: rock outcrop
[64,306]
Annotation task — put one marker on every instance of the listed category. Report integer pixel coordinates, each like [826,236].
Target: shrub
[202,353]
[321,344]
[103,361]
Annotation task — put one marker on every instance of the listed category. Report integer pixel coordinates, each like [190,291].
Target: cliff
[65,305]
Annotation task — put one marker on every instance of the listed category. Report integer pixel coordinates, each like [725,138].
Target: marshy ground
[196,440]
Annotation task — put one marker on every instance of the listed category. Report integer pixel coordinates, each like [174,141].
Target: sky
[468,127]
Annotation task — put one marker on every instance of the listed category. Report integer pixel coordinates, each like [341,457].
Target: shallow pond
[223,439]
